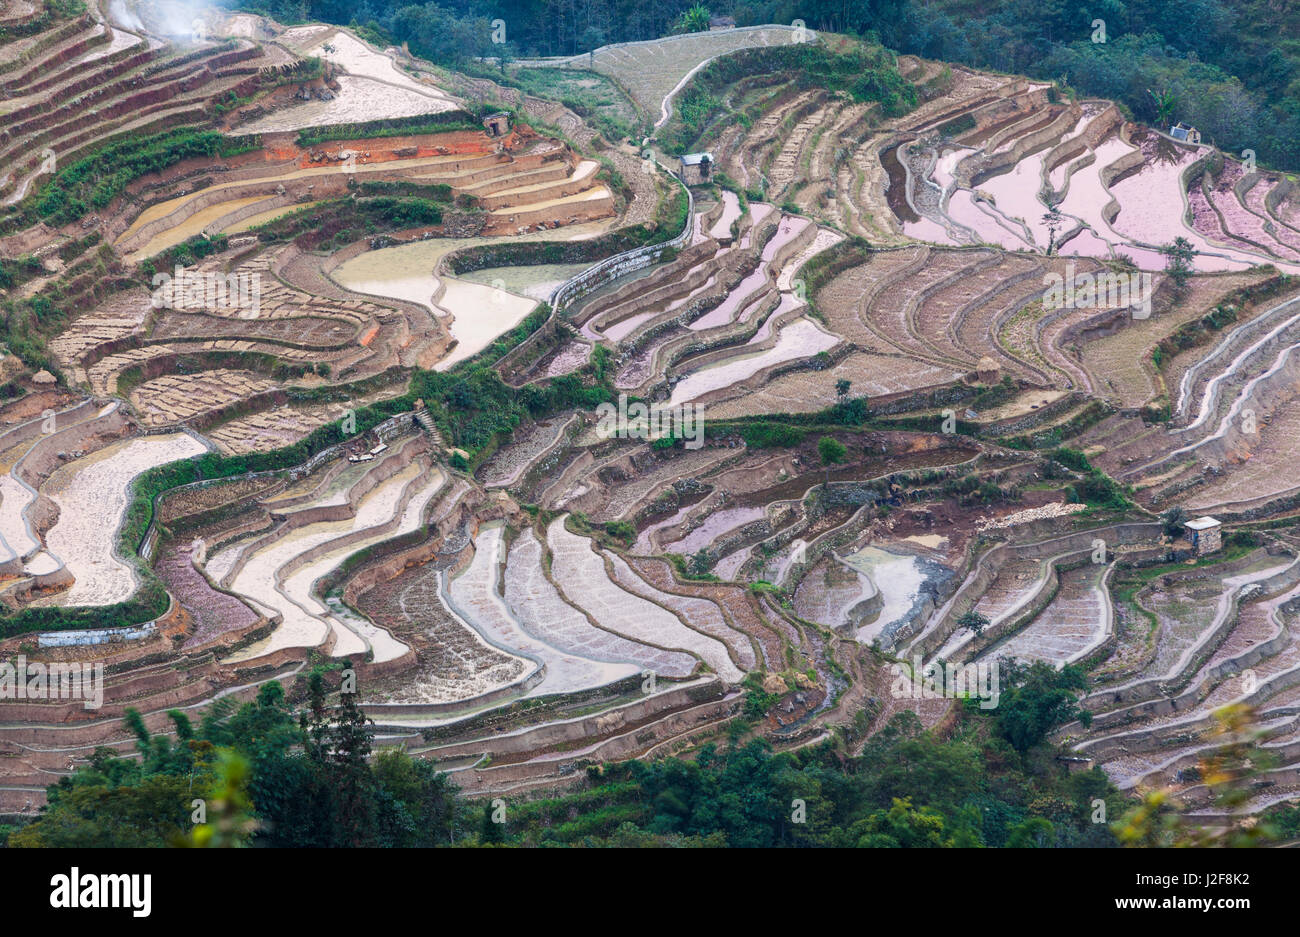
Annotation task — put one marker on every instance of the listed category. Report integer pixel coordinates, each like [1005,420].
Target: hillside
[367,403]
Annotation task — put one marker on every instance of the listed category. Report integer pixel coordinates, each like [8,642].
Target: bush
[866,72]
[771,435]
[89,185]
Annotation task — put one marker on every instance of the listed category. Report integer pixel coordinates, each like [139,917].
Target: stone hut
[697,168]
[1204,535]
[497,125]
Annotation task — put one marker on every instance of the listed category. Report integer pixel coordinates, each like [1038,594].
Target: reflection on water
[907,583]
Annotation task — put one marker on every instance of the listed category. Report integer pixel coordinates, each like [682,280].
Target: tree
[1179,256]
[694,20]
[230,822]
[1052,220]
[1166,104]
[341,745]
[1039,698]
[973,621]
[831,452]
[489,830]
[1173,520]
[903,826]
[1033,833]
[424,797]
[842,388]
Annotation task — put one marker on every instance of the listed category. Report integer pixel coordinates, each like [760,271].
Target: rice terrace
[758,425]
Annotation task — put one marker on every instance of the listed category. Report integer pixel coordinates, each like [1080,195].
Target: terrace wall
[988,565]
[1165,685]
[604,724]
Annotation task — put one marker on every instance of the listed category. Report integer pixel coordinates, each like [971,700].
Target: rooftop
[1202,523]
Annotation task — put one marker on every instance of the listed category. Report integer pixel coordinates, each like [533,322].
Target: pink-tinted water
[943,169]
[620,329]
[789,229]
[1085,244]
[1090,112]
[757,212]
[730,212]
[644,545]
[1016,195]
[788,302]
[746,290]
[716,524]
[702,288]
[1239,219]
[1087,196]
[963,210]
[1204,219]
[725,311]
[698,233]
[1151,210]
[1255,201]
[799,339]
[927,230]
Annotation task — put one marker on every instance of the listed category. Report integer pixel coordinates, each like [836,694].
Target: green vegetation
[693,567]
[958,126]
[1230,69]
[1037,699]
[771,435]
[1205,329]
[1099,490]
[335,223]
[590,95]
[267,780]
[1071,458]
[1173,519]
[865,72]
[1180,257]
[53,11]
[19,270]
[443,122]
[89,185]
[830,451]
[670,218]
[693,20]
[270,779]
[973,621]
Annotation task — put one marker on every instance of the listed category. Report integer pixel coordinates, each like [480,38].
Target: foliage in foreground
[269,776]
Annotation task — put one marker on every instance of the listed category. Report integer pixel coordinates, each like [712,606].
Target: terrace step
[474,595]
[615,609]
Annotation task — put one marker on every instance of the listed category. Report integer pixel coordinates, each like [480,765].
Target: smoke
[121,14]
[163,17]
[177,17]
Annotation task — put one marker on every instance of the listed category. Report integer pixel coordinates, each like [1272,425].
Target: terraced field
[653,71]
[326,395]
